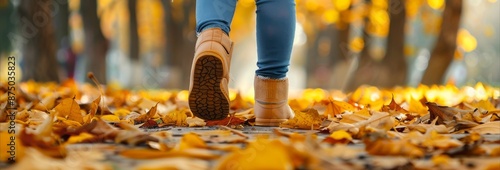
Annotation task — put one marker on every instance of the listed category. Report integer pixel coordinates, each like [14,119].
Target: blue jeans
[275,30]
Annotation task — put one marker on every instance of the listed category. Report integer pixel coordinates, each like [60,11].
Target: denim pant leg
[275,35]
[214,13]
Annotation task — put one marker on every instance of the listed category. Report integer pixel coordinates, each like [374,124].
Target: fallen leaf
[356,117]
[150,124]
[257,156]
[393,106]
[335,107]
[94,106]
[173,163]
[304,120]
[82,137]
[176,118]
[338,137]
[429,127]
[435,140]
[149,115]
[195,122]
[191,140]
[10,146]
[416,106]
[394,148]
[155,154]
[110,118]
[69,109]
[228,121]
[487,128]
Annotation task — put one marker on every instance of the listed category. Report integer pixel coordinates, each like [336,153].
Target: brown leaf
[393,147]
[144,117]
[429,127]
[445,114]
[228,121]
[393,106]
[69,109]
[150,124]
[93,109]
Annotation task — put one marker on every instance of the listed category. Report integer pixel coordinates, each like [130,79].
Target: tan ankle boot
[208,91]
[271,101]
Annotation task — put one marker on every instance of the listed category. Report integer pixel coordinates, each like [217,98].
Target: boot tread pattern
[207,101]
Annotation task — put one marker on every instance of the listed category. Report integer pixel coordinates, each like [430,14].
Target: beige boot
[208,91]
[271,101]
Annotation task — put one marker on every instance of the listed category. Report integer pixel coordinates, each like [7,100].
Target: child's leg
[214,13]
[208,91]
[275,35]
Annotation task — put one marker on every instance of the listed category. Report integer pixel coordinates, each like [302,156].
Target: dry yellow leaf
[195,122]
[191,140]
[440,160]
[261,154]
[10,146]
[110,118]
[80,138]
[176,117]
[340,136]
[304,120]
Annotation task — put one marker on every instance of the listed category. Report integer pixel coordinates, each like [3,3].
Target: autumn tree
[38,40]
[95,44]
[6,11]
[391,70]
[446,45]
[134,36]
[180,39]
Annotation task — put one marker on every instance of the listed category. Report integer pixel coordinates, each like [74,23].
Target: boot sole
[206,100]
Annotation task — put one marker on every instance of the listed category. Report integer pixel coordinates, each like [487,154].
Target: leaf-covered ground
[80,126]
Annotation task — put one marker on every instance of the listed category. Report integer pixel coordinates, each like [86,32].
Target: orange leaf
[69,109]
[334,107]
[393,147]
[340,136]
[393,106]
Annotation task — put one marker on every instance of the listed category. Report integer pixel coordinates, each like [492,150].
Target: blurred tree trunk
[394,58]
[391,70]
[6,11]
[445,47]
[39,48]
[180,41]
[329,47]
[319,57]
[61,20]
[133,36]
[95,44]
